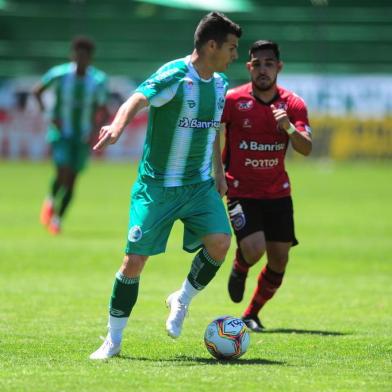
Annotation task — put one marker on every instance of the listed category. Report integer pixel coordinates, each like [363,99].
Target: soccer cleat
[47,212]
[107,350]
[236,285]
[54,226]
[253,323]
[177,314]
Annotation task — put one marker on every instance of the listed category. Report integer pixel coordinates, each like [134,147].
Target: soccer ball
[227,337]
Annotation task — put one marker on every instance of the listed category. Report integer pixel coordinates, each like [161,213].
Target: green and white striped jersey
[184,118]
[77,98]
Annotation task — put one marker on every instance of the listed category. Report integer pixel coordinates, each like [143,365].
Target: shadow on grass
[303,332]
[186,360]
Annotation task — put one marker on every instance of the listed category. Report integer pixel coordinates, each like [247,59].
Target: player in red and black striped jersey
[260,120]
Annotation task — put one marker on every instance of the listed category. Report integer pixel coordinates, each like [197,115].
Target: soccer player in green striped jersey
[80,97]
[186,99]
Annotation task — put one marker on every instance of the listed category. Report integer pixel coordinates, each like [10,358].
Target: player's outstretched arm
[109,134]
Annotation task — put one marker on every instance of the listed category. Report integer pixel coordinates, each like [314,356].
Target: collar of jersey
[73,69]
[277,95]
[193,71]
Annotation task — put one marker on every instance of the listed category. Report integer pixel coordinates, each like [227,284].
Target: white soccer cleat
[107,350]
[177,314]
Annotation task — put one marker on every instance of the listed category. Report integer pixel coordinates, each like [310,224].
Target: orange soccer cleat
[47,212]
[54,226]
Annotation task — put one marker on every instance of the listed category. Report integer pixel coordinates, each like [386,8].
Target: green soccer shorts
[154,209]
[70,153]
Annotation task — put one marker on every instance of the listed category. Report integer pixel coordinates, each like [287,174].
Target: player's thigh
[278,255]
[245,217]
[253,246]
[203,214]
[150,220]
[278,218]
[61,152]
[80,156]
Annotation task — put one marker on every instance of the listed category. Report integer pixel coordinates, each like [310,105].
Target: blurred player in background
[260,120]
[79,111]
[186,99]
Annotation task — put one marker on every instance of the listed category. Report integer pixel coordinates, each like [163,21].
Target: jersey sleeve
[102,92]
[52,75]
[299,114]
[227,109]
[162,86]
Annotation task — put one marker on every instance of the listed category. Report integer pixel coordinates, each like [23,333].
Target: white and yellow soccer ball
[227,337]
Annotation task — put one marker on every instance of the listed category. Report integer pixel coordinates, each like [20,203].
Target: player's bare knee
[278,264]
[252,253]
[218,248]
[133,265]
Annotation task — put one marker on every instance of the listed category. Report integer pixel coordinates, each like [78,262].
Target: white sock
[187,292]
[116,326]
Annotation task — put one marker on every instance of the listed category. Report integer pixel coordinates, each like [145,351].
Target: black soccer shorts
[275,217]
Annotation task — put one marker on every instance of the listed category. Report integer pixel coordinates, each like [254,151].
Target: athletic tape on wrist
[291,129]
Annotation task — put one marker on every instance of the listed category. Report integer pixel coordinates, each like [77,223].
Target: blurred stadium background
[337,54]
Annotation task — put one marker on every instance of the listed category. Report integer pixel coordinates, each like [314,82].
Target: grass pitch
[329,326]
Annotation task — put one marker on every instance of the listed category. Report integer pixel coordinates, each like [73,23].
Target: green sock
[58,199]
[203,269]
[67,196]
[55,186]
[124,295]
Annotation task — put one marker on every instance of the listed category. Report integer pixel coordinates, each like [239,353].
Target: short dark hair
[215,26]
[265,45]
[82,42]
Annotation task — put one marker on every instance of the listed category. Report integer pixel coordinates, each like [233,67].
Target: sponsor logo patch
[220,84]
[246,123]
[221,103]
[244,106]
[191,103]
[237,217]
[135,233]
[166,75]
[253,145]
[261,163]
[186,122]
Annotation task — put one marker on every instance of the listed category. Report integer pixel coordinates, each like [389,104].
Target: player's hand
[221,184]
[281,118]
[106,136]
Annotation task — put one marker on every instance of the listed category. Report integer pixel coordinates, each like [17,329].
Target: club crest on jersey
[135,233]
[281,105]
[244,106]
